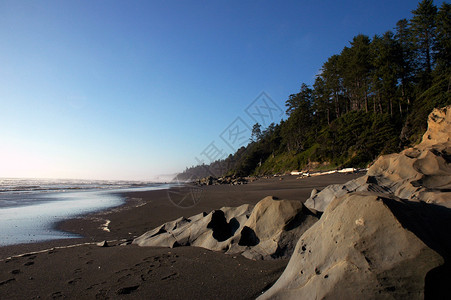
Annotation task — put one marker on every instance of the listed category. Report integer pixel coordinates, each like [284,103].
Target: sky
[139,90]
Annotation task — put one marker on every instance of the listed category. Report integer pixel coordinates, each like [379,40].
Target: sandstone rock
[319,200]
[269,230]
[209,231]
[439,124]
[365,246]
[274,227]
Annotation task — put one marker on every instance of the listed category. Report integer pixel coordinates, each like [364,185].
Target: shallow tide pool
[34,219]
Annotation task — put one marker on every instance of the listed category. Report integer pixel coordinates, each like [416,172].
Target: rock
[232,180]
[274,227]
[439,124]
[270,230]
[313,193]
[365,246]
[102,244]
[212,231]
[383,235]
[320,200]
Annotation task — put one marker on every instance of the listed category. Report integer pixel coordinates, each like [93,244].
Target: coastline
[141,212]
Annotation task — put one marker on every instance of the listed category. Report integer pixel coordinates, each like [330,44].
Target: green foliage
[371,99]
[438,95]
[256,134]
[423,28]
[357,138]
[442,47]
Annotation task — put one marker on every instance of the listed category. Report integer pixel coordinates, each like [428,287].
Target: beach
[74,268]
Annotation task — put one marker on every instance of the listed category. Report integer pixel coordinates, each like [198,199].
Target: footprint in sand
[121,271]
[57,295]
[173,275]
[127,290]
[75,280]
[7,281]
[125,277]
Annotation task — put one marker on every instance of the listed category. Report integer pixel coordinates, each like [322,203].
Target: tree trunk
[380,104]
[391,107]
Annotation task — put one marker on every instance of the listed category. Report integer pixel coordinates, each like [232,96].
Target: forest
[370,99]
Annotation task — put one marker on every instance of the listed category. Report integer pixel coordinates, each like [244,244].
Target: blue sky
[136,89]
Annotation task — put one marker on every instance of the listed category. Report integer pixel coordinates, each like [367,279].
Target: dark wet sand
[89,271]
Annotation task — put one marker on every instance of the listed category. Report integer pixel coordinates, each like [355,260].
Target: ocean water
[30,208]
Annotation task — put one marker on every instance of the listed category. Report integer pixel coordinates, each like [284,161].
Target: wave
[21,185]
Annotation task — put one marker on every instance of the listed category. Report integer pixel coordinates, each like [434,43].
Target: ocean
[30,208]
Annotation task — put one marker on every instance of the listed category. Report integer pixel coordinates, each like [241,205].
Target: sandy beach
[62,270]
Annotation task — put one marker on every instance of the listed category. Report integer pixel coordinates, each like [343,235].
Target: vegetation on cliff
[372,98]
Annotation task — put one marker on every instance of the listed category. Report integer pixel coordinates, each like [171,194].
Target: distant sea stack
[384,235]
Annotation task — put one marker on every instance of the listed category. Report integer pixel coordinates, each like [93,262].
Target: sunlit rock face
[368,246]
[268,230]
[385,235]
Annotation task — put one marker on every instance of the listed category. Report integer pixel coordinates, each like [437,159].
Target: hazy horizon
[133,91]
[160,178]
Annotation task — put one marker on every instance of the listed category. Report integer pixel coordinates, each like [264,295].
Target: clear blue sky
[136,89]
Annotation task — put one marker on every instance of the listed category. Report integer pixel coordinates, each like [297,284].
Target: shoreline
[88,225]
[182,272]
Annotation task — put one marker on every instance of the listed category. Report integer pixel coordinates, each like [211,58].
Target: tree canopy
[371,98]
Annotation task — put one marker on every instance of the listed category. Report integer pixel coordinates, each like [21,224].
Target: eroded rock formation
[368,246]
[268,230]
[385,235]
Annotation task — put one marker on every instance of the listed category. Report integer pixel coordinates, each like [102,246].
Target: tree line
[370,99]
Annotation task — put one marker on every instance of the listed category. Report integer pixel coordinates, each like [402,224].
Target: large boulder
[274,227]
[368,246]
[212,231]
[270,230]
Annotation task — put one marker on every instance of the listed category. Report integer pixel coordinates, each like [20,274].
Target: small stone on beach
[103,244]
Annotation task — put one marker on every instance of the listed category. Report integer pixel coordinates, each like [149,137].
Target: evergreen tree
[321,103]
[296,128]
[297,100]
[386,60]
[424,29]
[256,134]
[406,60]
[443,35]
[409,70]
[356,67]
[333,83]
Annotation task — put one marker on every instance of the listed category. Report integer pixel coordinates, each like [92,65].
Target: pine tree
[443,36]
[356,67]
[423,29]
[386,60]
[403,38]
[331,73]
[322,103]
